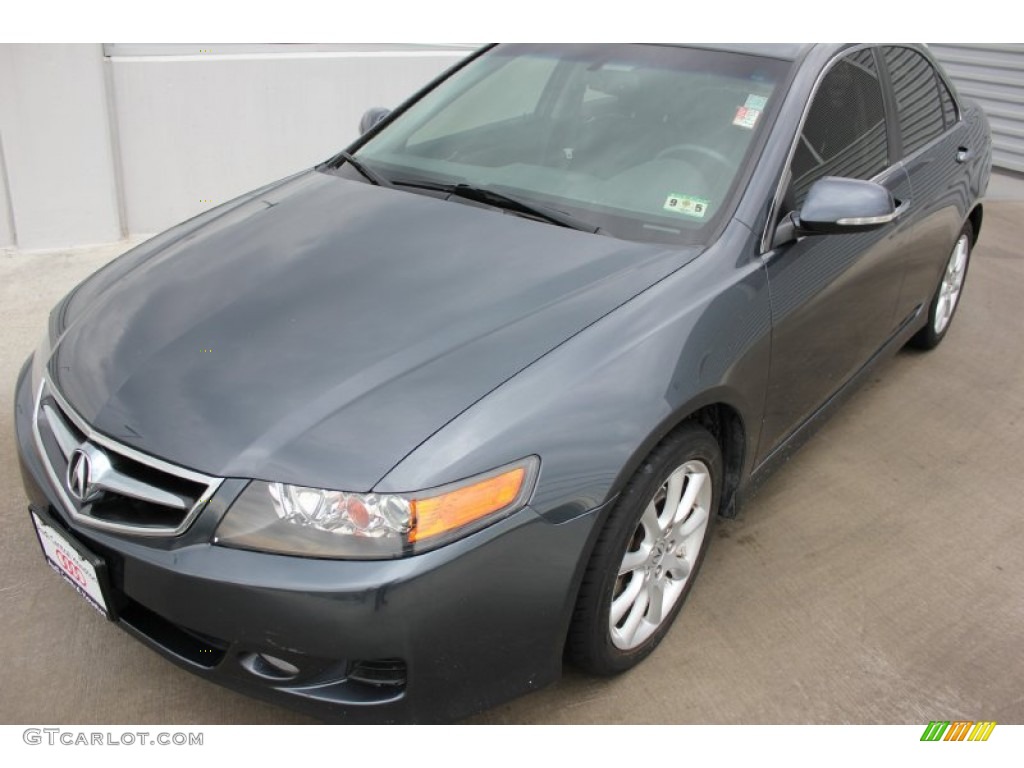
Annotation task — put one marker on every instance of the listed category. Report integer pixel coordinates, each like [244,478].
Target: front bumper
[429,638]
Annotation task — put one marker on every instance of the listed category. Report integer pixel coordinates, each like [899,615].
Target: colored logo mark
[958,730]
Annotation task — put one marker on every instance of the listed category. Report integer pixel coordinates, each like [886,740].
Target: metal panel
[993,75]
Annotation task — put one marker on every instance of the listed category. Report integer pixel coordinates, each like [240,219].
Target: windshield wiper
[504,201]
[371,175]
[516,204]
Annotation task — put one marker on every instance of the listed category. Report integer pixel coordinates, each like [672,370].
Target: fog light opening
[389,673]
[269,667]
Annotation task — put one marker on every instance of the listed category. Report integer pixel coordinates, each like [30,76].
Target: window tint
[918,103]
[844,134]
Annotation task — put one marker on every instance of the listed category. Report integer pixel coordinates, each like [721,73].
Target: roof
[787,51]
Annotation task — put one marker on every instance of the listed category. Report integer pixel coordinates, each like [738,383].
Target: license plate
[78,568]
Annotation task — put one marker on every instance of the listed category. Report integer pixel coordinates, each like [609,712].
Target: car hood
[318,330]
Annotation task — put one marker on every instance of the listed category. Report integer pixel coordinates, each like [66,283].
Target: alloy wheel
[952,283]
[660,555]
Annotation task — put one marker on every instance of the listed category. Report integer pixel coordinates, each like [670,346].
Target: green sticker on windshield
[756,102]
[688,205]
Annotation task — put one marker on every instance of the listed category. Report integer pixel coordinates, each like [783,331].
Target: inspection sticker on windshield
[746,117]
[688,205]
[756,102]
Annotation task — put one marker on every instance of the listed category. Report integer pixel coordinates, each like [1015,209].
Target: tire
[688,463]
[947,295]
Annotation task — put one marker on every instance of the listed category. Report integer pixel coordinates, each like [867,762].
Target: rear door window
[919,102]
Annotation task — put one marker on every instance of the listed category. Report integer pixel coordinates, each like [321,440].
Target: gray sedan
[392,438]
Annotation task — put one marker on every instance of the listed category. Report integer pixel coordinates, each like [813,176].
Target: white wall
[198,130]
[98,147]
[57,149]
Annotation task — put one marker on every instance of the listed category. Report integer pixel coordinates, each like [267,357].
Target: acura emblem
[80,475]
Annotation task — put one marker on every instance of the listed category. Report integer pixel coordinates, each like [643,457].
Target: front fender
[595,406]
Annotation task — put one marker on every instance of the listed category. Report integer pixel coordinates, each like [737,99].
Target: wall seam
[114,133]
[9,207]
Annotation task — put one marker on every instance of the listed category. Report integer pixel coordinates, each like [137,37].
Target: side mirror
[836,206]
[371,117]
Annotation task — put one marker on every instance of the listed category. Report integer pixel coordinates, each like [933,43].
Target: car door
[833,297]
[937,153]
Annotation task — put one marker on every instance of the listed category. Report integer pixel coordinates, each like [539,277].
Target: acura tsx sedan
[393,438]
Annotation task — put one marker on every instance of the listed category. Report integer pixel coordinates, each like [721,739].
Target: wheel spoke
[961,256]
[692,523]
[636,616]
[623,602]
[650,522]
[941,311]
[656,600]
[692,489]
[672,499]
[677,567]
[635,560]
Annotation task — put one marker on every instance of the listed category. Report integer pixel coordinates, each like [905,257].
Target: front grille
[111,486]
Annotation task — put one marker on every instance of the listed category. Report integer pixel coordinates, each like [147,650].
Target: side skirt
[816,420]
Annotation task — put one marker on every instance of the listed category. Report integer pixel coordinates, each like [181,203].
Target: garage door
[993,75]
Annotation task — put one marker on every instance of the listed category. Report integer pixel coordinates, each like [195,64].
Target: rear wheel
[647,557]
[947,296]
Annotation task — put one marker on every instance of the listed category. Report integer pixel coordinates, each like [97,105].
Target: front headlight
[311,522]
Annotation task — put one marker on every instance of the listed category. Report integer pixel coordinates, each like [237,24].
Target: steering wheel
[695,149]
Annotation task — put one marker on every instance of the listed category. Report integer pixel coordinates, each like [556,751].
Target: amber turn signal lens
[455,509]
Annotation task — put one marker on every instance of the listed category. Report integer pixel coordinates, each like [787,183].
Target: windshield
[644,142]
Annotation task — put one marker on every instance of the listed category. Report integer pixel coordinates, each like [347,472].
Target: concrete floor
[878,578]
